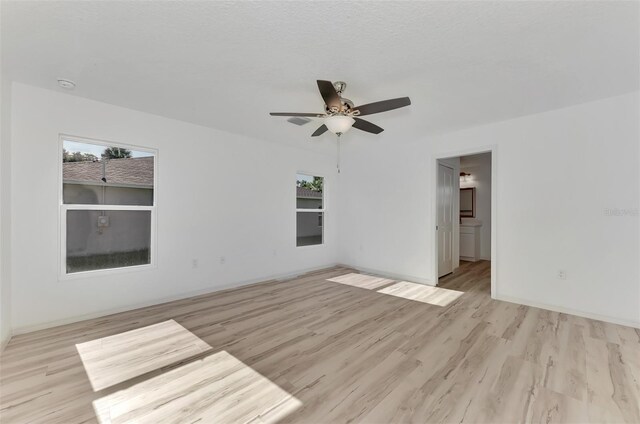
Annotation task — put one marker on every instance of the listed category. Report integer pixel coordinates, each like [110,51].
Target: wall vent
[298,121]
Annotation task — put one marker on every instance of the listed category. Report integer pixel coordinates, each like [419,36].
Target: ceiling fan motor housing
[347,106]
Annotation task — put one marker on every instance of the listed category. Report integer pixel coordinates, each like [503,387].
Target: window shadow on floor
[165,372]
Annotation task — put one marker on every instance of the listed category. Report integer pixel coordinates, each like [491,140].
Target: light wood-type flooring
[312,350]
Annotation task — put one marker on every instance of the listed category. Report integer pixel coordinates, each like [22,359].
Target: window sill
[316,246]
[105,272]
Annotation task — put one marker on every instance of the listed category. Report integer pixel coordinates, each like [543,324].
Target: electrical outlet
[194,263]
[222,260]
[562,274]
[103,221]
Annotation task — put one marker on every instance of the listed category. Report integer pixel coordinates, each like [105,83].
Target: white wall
[5,211]
[557,175]
[219,194]
[567,193]
[479,166]
[5,203]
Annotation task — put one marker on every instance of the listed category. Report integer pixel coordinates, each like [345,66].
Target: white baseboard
[391,275]
[229,286]
[103,313]
[5,342]
[555,308]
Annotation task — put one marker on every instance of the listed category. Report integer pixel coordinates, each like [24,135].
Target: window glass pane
[309,192]
[107,239]
[104,195]
[309,228]
[98,175]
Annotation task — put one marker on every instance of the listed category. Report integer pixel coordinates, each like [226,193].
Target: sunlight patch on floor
[405,289]
[115,359]
[361,280]
[218,388]
[422,293]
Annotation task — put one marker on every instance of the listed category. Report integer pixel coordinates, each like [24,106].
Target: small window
[310,209]
[108,206]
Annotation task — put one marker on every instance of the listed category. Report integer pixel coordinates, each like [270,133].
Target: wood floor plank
[114,359]
[329,346]
[361,280]
[614,388]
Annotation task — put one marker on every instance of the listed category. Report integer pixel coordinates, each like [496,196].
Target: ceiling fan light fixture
[339,124]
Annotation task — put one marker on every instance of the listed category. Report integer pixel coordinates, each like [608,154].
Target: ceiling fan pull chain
[338,160]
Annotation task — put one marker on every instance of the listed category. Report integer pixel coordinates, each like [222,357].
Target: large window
[107,206]
[310,209]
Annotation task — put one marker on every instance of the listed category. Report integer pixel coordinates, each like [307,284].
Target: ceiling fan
[340,114]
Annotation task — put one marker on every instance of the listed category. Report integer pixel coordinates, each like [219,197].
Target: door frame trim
[493,149]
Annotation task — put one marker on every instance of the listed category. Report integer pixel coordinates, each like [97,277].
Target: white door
[445,219]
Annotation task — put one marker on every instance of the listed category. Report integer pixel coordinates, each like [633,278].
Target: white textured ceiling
[227,64]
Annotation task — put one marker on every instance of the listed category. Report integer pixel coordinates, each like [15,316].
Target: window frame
[63,208]
[322,210]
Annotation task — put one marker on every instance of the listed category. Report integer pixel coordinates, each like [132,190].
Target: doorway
[464,215]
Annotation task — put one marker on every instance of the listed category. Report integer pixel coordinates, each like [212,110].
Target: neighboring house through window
[310,209]
[108,206]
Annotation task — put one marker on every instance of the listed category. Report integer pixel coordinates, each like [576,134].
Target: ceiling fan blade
[312,115]
[367,126]
[321,130]
[329,94]
[383,106]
